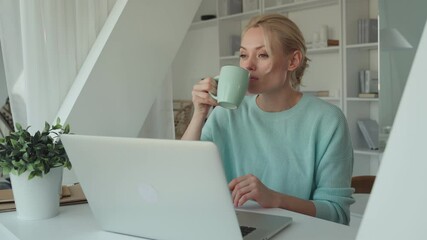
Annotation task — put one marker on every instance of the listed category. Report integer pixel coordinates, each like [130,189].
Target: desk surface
[77,222]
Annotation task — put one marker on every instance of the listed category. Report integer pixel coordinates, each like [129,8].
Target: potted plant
[35,164]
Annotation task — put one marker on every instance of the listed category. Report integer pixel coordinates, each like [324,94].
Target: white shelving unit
[334,69]
[358,56]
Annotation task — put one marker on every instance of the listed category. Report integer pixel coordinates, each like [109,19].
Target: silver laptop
[162,189]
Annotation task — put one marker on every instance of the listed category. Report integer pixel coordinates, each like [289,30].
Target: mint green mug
[232,86]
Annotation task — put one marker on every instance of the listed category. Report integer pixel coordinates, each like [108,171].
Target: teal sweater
[304,152]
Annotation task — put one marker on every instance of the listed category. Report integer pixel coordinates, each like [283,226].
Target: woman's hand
[249,187]
[202,100]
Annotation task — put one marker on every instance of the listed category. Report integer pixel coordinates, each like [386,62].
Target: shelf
[363,46]
[357,99]
[240,16]
[330,98]
[204,24]
[323,50]
[302,5]
[368,152]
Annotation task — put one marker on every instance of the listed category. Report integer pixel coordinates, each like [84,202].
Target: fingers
[249,187]
[203,98]
[206,85]
[233,184]
[243,189]
[201,92]
[241,195]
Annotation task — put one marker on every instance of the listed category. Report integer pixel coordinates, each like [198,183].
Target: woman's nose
[248,64]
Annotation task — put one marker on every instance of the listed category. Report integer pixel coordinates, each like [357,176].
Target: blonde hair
[283,32]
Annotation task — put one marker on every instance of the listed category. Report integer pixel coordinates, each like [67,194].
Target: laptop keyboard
[246,230]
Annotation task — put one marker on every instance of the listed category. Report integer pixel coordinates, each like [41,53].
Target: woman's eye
[263,55]
[242,55]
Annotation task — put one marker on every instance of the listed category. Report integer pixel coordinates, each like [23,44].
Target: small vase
[39,197]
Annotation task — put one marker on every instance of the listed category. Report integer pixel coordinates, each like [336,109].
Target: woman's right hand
[202,100]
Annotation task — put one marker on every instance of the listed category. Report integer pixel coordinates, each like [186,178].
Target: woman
[280,148]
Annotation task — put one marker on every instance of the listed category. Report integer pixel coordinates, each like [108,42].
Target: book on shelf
[234,7]
[367,30]
[321,93]
[368,81]
[368,95]
[371,30]
[370,132]
[371,81]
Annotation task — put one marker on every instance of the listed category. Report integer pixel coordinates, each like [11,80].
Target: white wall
[198,55]
[3,87]
[128,69]
[197,58]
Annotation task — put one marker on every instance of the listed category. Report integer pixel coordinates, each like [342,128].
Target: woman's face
[266,75]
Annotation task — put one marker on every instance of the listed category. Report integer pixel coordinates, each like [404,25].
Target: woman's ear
[295,59]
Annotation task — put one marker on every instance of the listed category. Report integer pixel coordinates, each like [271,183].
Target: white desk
[77,222]
[361,201]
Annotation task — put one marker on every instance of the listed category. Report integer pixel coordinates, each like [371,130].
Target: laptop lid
[160,189]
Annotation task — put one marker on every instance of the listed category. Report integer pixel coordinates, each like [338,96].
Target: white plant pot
[37,198]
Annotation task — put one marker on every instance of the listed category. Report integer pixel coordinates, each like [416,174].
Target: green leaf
[46,127]
[15,163]
[25,156]
[67,129]
[30,167]
[68,165]
[21,170]
[14,143]
[46,170]
[32,175]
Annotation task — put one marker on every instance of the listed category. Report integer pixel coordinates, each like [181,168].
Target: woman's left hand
[249,187]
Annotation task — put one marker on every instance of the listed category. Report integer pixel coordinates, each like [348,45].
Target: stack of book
[367,30]
[368,83]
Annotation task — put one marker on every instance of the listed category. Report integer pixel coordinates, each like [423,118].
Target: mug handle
[216,78]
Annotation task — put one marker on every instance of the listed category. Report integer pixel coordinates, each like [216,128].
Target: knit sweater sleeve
[332,193]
